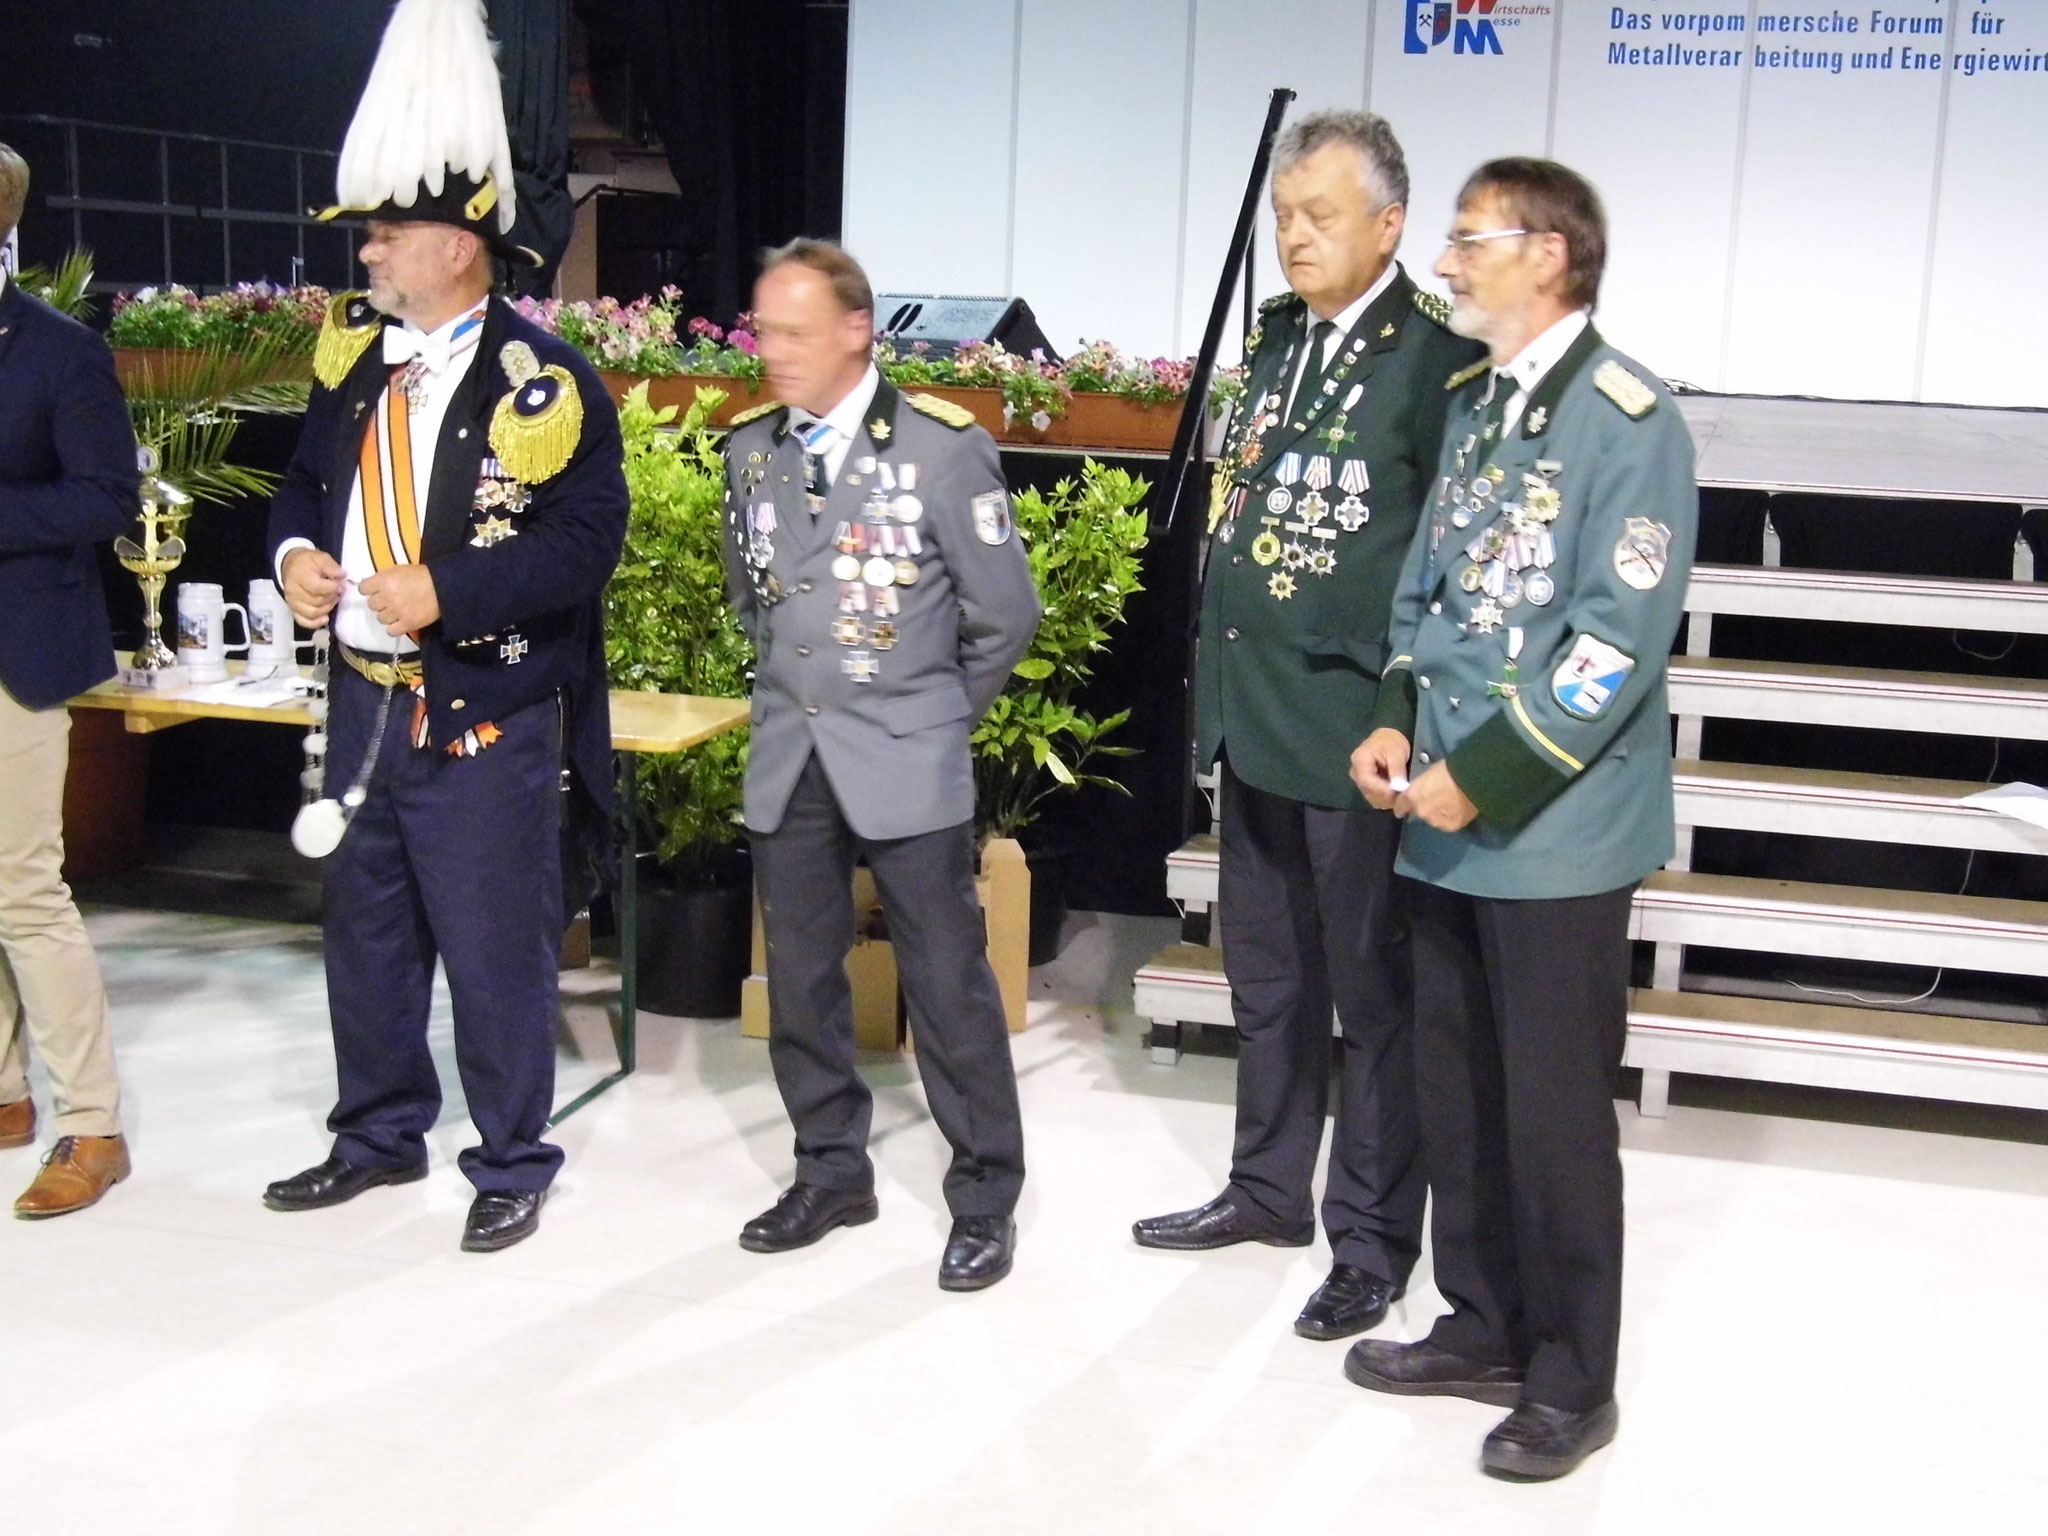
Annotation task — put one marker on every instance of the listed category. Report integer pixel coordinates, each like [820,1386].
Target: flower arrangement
[177,318]
[639,337]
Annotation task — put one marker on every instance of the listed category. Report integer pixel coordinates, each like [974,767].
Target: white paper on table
[2023,802]
[252,693]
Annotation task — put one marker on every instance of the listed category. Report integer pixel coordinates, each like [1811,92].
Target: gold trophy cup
[165,510]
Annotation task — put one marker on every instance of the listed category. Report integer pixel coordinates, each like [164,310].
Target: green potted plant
[669,629]
[1083,538]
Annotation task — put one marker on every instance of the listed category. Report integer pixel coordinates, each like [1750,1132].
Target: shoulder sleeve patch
[1465,376]
[1635,398]
[345,334]
[1434,305]
[756,412]
[957,417]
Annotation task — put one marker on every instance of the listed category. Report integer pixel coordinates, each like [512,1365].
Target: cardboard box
[879,1021]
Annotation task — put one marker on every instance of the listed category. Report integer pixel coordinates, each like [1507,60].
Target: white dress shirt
[1345,320]
[1527,367]
[352,622]
[845,420]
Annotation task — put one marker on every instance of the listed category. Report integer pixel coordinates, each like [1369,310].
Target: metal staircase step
[1945,703]
[1850,597]
[1845,922]
[1868,807]
[1922,1055]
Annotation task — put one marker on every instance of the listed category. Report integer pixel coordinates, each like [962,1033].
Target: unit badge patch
[1642,553]
[992,517]
[1590,676]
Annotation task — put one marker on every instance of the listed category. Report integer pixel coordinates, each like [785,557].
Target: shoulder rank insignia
[1278,301]
[537,425]
[1465,376]
[1434,305]
[756,412]
[1252,338]
[1635,398]
[957,417]
[345,334]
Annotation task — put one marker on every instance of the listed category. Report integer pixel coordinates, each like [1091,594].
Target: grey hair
[1384,167]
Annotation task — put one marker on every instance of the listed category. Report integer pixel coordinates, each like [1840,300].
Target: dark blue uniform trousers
[454,858]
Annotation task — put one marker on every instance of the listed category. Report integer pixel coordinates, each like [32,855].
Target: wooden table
[641,722]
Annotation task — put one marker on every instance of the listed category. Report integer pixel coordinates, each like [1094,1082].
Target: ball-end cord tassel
[317,829]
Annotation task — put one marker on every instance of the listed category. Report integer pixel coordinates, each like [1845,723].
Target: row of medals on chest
[1512,554]
[874,553]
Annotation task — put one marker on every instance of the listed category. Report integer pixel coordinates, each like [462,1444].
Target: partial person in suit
[872,558]
[68,480]
[1526,702]
[1315,500]
[454,509]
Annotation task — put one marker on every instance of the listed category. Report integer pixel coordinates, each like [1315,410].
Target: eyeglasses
[1465,245]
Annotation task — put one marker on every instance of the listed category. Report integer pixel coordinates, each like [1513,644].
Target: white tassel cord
[433,102]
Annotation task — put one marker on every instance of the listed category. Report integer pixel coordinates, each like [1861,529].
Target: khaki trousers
[49,977]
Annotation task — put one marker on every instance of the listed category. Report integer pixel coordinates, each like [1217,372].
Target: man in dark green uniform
[1526,701]
[1315,500]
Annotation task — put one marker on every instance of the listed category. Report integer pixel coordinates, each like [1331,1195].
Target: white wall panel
[1101,123]
[1837,186]
[1987,322]
[929,112]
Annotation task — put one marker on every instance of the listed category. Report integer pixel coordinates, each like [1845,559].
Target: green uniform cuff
[1504,776]
[1395,708]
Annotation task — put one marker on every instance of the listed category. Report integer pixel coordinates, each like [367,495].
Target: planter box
[1004,886]
[166,367]
[1108,423]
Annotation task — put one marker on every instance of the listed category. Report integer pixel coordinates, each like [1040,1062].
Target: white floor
[1830,1327]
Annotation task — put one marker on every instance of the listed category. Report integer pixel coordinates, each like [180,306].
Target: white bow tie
[402,344]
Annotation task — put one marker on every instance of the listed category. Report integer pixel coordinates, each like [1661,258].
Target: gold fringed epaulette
[1465,376]
[539,422]
[755,413]
[1434,305]
[958,417]
[1635,398]
[345,334]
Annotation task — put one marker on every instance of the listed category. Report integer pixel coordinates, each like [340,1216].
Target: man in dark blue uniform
[454,510]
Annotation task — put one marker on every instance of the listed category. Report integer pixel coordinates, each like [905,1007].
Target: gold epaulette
[958,417]
[539,421]
[1434,305]
[345,334]
[1465,376]
[756,412]
[1635,398]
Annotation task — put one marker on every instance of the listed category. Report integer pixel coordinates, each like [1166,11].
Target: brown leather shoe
[18,1123]
[77,1172]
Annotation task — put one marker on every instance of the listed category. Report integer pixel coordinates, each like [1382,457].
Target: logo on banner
[1469,26]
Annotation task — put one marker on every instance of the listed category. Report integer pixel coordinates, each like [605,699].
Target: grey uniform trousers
[804,872]
[1312,916]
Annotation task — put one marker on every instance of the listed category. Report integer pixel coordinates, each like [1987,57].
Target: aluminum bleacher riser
[1944,704]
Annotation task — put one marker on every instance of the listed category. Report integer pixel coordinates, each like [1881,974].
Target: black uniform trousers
[1312,916]
[804,872]
[1521,1016]
[455,859]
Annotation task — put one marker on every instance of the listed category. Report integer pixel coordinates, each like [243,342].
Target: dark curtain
[533,58]
[750,100]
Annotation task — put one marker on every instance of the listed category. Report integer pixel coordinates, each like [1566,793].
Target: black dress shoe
[1350,1301]
[1423,1370]
[1216,1225]
[979,1252]
[498,1218]
[805,1213]
[332,1182]
[1536,1442]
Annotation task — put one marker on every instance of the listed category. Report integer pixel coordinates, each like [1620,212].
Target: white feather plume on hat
[433,104]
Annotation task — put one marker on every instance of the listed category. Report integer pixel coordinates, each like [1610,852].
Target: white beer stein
[271,646]
[202,630]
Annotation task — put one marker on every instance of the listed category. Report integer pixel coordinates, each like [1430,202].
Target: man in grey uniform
[871,556]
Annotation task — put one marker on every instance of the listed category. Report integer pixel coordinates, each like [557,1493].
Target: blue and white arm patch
[1590,675]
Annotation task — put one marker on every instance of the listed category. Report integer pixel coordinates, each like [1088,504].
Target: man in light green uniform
[1526,702]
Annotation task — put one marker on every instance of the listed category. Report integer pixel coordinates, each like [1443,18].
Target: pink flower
[744,340]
